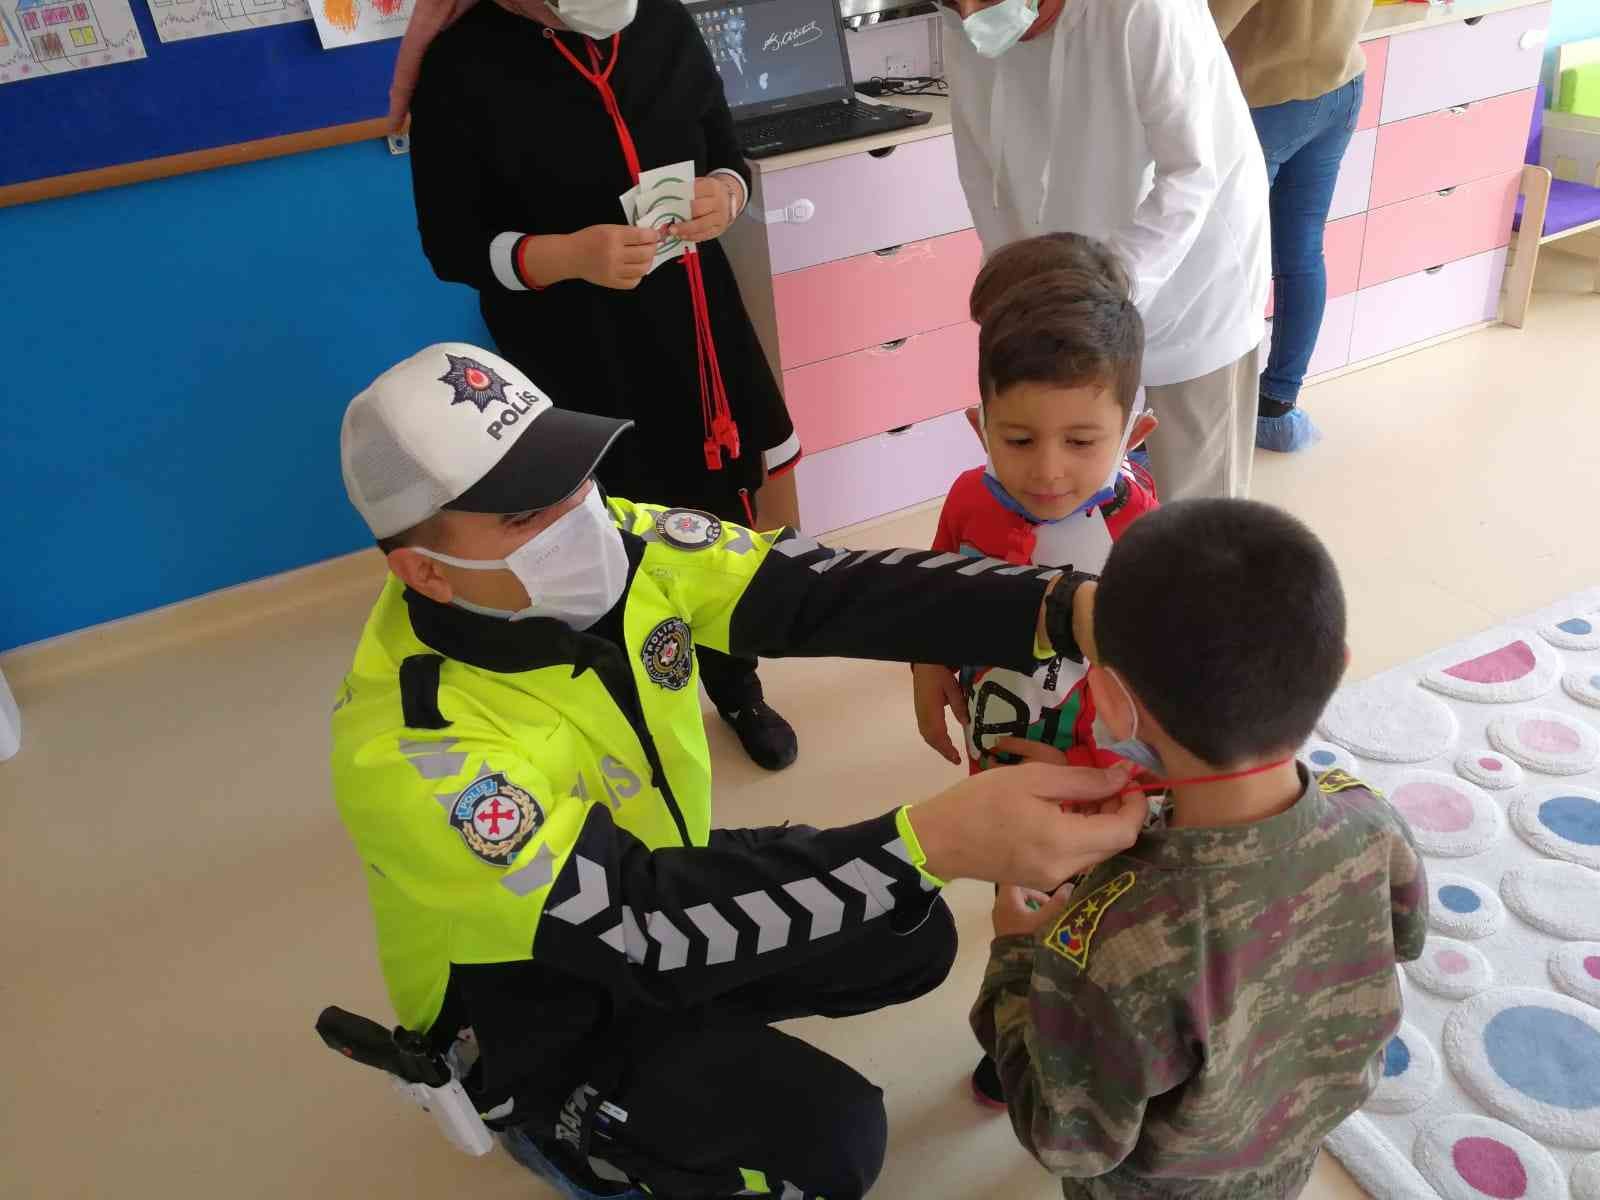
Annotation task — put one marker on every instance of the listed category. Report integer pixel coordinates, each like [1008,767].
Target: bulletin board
[188,106]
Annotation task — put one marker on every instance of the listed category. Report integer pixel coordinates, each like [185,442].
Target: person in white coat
[1123,120]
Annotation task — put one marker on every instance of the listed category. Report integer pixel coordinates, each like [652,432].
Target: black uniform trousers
[718,1092]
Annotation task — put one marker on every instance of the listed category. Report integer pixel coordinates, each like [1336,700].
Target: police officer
[520,758]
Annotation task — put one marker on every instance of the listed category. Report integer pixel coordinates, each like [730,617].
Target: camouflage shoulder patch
[1334,780]
[1076,929]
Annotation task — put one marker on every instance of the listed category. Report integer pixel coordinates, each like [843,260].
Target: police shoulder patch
[688,529]
[495,818]
[1335,780]
[1076,929]
[668,654]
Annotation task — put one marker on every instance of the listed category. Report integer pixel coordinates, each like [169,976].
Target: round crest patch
[495,818]
[688,529]
[668,654]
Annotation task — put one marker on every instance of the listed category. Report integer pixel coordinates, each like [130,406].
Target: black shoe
[986,1089]
[767,738]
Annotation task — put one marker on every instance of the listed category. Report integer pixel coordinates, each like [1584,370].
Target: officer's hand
[933,689]
[611,256]
[1022,824]
[715,200]
[1024,911]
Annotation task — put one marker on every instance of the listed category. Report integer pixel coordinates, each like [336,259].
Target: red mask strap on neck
[721,434]
[1166,785]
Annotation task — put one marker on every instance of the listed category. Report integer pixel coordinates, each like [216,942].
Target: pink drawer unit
[1333,340]
[1438,228]
[1463,61]
[877,475]
[1341,250]
[1427,304]
[857,204]
[1372,95]
[1450,147]
[839,307]
[856,395]
[1350,193]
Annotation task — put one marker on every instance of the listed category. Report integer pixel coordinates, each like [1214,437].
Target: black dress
[508,137]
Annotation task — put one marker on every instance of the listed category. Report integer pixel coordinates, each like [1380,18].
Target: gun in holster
[414,1069]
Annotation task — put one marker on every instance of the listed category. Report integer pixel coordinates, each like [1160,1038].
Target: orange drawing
[342,14]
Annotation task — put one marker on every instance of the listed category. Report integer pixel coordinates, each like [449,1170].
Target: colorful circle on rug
[1563,822]
[1468,1157]
[1463,908]
[1411,1073]
[1547,741]
[1449,817]
[1326,756]
[1498,668]
[1488,769]
[1586,1178]
[1583,686]
[1575,969]
[1557,897]
[1531,1057]
[1389,720]
[1578,632]
[1451,969]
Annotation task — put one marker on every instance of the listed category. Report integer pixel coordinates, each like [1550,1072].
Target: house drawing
[57,29]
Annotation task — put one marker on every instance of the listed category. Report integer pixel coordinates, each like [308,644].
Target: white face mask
[595,18]
[994,30]
[574,571]
[1133,747]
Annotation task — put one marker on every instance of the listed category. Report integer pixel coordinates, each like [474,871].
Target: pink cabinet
[1372,96]
[1426,304]
[1438,228]
[1449,147]
[1463,61]
[1351,192]
[839,307]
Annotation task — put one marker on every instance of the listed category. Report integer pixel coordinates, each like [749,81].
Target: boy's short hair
[1057,309]
[1227,619]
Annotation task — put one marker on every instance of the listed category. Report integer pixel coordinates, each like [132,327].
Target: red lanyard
[720,430]
[1166,785]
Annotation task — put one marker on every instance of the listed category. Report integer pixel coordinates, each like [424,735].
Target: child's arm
[934,686]
[1080,1051]
[1408,895]
[1163,44]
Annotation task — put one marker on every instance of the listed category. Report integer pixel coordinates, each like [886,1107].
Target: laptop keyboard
[808,123]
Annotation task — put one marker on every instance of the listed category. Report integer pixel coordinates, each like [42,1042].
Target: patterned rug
[1491,750]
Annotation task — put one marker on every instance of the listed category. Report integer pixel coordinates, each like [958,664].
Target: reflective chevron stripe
[592,896]
[900,850]
[722,939]
[871,883]
[434,760]
[771,920]
[674,942]
[538,871]
[826,909]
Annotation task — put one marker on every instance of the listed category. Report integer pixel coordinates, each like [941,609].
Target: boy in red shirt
[1059,357]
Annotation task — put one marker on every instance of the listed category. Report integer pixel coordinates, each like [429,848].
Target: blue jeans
[1304,142]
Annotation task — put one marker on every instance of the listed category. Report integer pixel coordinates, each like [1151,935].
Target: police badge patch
[474,383]
[495,818]
[668,654]
[688,529]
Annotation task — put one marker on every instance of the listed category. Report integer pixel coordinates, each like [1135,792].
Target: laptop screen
[775,55]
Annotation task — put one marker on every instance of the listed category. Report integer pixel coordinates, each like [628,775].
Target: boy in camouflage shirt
[1205,1007]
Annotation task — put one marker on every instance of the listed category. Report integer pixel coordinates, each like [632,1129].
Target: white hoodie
[1125,122]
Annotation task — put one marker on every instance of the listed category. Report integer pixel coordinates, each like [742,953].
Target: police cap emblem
[475,383]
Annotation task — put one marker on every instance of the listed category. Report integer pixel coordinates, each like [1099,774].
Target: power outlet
[896,65]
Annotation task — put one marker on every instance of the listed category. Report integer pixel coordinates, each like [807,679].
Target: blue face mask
[994,30]
[1133,748]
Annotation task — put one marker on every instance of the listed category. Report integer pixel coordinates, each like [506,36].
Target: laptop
[786,73]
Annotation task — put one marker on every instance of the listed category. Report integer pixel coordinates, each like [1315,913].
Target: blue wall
[181,353]
[1570,21]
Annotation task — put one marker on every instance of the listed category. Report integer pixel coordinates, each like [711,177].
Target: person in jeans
[1303,75]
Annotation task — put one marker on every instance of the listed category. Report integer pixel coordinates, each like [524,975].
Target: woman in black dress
[525,134]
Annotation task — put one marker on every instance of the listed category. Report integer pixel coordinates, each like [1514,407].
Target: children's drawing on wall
[351,22]
[47,37]
[176,20]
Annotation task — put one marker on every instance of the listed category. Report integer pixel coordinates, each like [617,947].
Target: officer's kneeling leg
[714,1113]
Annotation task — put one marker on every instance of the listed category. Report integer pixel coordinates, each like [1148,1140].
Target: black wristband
[1058,614]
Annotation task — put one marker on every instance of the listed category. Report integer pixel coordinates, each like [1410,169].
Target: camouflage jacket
[1212,1002]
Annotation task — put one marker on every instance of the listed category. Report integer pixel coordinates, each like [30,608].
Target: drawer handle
[1472,20]
[1449,191]
[1434,270]
[889,251]
[1457,109]
[898,431]
[891,347]
[883,152]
